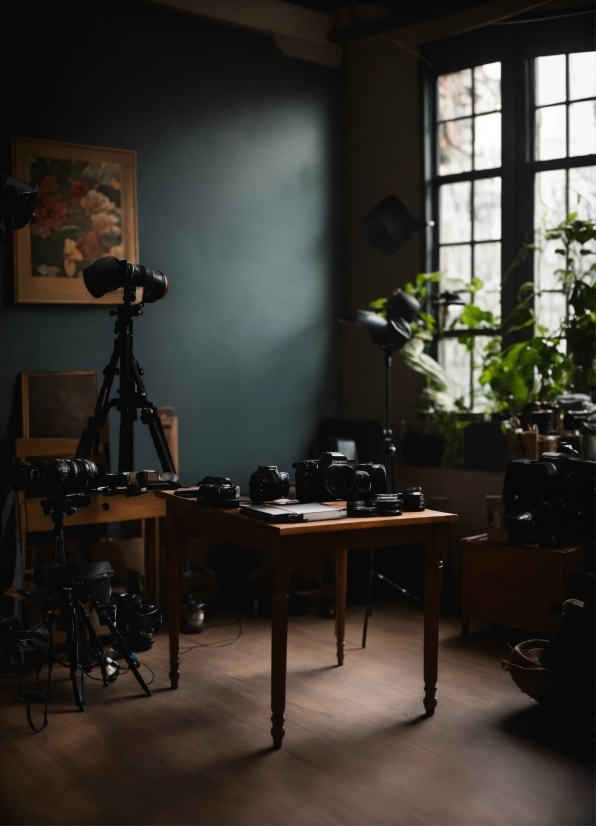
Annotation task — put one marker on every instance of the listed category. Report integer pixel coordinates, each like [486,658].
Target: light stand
[132,397]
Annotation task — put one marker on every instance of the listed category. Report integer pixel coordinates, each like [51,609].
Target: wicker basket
[542,684]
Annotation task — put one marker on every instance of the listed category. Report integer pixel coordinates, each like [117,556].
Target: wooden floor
[357,750]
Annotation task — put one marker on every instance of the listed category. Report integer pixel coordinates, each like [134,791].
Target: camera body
[53,476]
[138,622]
[268,483]
[550,501]
[218,492]
[334,477]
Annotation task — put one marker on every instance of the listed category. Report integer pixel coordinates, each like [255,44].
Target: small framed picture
[86,208]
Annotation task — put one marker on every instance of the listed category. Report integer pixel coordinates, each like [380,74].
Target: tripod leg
[95,639]
[89,441]
[369,599]
[150,417]
[122,646]
[75,657]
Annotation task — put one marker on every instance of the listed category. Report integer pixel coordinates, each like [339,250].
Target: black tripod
[132,397]
[390,462]
[69,604]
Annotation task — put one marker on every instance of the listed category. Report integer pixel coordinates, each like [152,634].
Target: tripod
[132,397]
[390,462]
[72,595]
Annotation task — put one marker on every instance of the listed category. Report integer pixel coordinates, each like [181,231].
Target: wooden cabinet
[516,585]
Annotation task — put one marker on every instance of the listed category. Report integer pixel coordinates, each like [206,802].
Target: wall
[239,151]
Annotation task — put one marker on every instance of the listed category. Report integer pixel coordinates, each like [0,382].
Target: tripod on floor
[370,603]
[132,397]
[72,586]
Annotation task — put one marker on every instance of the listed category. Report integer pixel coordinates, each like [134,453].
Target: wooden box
[516,585]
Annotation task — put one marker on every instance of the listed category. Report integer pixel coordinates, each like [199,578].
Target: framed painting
[85,209]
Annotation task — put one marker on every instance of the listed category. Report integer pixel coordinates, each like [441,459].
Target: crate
[517,585]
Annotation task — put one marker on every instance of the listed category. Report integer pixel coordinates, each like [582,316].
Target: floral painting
[78,218]
[85,209]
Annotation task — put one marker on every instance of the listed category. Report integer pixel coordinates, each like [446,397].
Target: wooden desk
[31,519]
[282,542]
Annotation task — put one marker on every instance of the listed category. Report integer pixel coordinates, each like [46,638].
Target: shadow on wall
[238,160]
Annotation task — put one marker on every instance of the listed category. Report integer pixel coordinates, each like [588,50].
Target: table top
[236,526]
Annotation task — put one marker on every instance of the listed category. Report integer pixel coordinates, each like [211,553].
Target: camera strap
[43,693]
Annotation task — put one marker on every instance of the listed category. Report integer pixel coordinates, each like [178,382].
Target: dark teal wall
[239,151]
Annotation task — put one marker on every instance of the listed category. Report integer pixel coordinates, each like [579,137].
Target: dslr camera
[268,483]
[333,477]
[550,501]
[218,491]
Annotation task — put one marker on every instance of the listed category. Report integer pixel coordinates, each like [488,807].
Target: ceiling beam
[297,31]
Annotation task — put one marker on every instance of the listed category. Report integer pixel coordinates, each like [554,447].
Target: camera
[412,499]
[218,491]
[138,623]
[267,483]
[333,477]
[108,274]
[550,501]
[53,476]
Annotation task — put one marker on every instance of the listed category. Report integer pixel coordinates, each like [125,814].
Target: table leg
[279,652]
[175,543]
[341,585]
[433,573]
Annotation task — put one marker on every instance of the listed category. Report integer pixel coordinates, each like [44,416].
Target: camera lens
[51,475]
[339,481]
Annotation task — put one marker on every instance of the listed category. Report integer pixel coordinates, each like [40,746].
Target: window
[510,148]
[565,135]
[468,135]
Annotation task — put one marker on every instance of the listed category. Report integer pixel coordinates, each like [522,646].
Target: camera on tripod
[334,477]
[550,501]
[54,476]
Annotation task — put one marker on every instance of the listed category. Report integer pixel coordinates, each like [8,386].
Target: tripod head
[56,506]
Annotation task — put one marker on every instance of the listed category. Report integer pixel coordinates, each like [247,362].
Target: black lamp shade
[389,225]
[390,334]
[402,305]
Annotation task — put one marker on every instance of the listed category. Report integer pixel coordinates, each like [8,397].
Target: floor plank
[357,748]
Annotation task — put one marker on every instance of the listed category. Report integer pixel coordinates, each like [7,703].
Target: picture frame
[57,404]
[86,208]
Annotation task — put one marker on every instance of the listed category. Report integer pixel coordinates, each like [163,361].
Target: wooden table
[282,543]
[102,509]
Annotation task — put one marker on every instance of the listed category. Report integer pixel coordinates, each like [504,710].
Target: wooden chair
[55,408]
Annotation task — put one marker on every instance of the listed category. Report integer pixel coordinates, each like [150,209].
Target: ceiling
[402,13]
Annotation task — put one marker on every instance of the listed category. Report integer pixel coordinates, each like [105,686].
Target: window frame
[508,45]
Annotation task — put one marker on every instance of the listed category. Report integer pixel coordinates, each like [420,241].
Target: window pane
[455,146]
[550,133]
[550,79]
[455,263]
[455,360]
[487,267]
[455,95]
[546,262]
[454,212]
[550,202]
[550,310]
[487,209]
[480,391]
[487,141]
[582,75]
[487,87]
[582,192]
[582,128]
